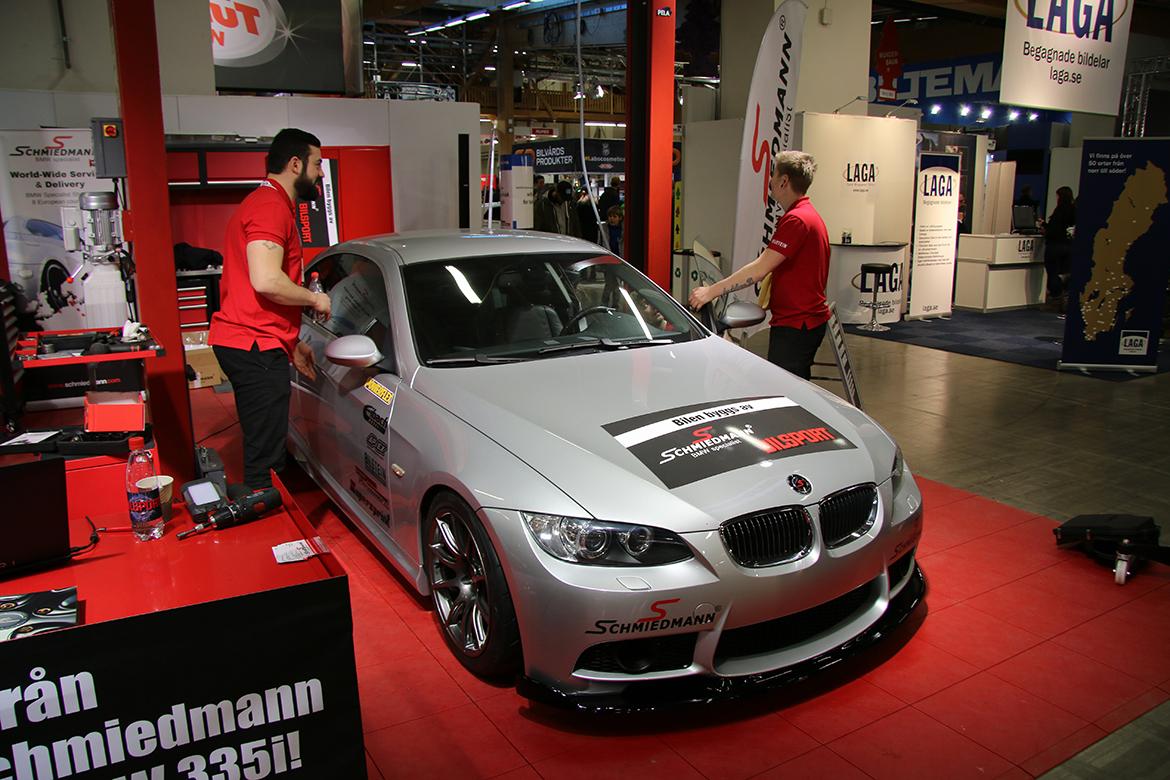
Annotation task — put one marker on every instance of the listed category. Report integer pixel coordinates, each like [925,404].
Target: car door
[346,410]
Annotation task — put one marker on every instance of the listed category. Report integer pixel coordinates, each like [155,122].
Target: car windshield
[485,310]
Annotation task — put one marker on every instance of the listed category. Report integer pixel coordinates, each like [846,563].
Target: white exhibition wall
[709,163]
[864,183]
[1064,170]
[423,136]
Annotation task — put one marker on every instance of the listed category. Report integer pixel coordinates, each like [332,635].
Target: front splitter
[655,695]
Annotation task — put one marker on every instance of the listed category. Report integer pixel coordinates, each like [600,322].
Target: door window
[357,292]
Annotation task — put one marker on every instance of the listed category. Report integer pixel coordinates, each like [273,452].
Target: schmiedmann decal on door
[690,443]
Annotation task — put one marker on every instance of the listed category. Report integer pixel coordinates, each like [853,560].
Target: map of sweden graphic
[1131,217]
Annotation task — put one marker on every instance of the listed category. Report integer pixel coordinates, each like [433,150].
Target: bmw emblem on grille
[799,484]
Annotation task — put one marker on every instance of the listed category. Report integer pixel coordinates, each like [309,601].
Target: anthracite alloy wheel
[471,596]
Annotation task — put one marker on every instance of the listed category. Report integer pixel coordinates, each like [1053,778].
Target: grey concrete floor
[1053,443]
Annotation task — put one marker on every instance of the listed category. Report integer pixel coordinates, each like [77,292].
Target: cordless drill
[247,508]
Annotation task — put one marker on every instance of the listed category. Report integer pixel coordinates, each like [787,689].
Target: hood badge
[799,484]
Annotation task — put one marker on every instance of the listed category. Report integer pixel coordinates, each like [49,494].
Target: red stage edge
[140,98]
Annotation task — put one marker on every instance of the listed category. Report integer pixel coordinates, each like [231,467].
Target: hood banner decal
[690,443]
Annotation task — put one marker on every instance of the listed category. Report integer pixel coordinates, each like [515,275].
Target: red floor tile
[380,636]
[974,636]
[919,670]
[1015,773]
[835,713]
[372,772]
[1064,750]
[1079,579]
[740,749]
[1001,717]
[1026,606]
[459,743]
[473,687]
[1119,644]
[911,744]
[1032,539]
[646,758]
[1133,709]
[965,571]
[523,773]
[405,689]
[936,495]
[819,764]
[539,732]
[1071,681]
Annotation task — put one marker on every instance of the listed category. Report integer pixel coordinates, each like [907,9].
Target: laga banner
[936,228]
[767,129]
[1117,285]
[1065,56]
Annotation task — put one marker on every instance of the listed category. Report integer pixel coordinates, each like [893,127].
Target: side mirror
[740,314]
[353,351]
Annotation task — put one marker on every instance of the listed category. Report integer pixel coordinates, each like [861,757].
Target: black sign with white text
[256,686]
[690,443]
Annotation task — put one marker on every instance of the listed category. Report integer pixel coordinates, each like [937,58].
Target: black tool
[202,497]
[247,508]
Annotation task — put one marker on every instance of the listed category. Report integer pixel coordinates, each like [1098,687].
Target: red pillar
[650,136]
[140,98]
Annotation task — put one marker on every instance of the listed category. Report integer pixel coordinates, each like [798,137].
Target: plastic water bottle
[142,492]
[315,286]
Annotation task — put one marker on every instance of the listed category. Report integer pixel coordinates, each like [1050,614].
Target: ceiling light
[480,15]
[414,33]
[964,110]
[513,6]
[901,21]
[605,124]
[454,23]
[935,109]
[1013,115]
[1033,116]
[489,67]
[985,113]
[600,91]
[410,64]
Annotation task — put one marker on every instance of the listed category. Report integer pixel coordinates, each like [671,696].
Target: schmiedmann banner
[1065,56]
[690,443]
[767,129]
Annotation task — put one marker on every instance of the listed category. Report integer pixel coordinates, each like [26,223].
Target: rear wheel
[471,596]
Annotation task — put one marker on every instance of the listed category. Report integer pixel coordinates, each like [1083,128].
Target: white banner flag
[767,129]
[1065,56]
[936,228]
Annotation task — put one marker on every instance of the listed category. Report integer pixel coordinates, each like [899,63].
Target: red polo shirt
[245,316]
[798,284]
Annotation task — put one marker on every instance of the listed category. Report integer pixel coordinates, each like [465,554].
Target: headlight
[898,470]
[577,540]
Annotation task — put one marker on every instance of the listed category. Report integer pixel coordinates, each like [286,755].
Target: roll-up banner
[767,129]
[1065,56]
[936,229]
[1120,268]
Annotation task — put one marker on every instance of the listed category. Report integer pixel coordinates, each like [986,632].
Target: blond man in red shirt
[798,259]
[255,332]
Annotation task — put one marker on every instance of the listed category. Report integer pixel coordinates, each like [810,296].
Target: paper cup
[166,487]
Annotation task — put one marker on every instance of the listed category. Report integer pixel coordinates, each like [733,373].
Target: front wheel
[471,596]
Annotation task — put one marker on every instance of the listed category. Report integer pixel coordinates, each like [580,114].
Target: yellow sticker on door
[380,390]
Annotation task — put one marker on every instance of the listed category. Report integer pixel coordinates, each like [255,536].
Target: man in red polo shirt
[798,259]
[255,332]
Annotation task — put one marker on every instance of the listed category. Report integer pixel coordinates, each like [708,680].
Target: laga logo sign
[245,34]
[1065,55]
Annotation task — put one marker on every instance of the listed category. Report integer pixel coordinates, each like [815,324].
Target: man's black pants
[795,349]
[260,381]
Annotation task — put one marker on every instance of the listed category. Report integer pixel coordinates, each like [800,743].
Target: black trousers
[794,349]
[260,380]
[1056,262]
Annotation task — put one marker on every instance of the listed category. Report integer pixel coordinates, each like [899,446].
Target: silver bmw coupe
[598,492]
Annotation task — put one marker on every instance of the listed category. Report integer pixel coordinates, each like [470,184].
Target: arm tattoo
[746,283]
[270,245]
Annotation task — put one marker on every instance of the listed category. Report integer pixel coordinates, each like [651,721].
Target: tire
[471,597]
[1121,571]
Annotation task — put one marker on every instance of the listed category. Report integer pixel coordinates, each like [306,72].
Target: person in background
[798,259]
[613,227]
[586,217]
[1025,198]
[1058,245]
[556,212]
[537,187]
[256,331]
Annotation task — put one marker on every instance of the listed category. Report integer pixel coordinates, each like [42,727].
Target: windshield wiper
[604,343]
[476,359]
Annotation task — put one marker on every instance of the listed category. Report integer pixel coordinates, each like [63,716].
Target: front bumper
[657,695]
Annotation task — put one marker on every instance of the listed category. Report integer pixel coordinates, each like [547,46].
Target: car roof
[422,246]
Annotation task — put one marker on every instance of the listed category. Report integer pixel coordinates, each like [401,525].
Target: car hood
[680,436]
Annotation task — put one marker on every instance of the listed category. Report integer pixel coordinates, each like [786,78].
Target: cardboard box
[106,411]
[207,370]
